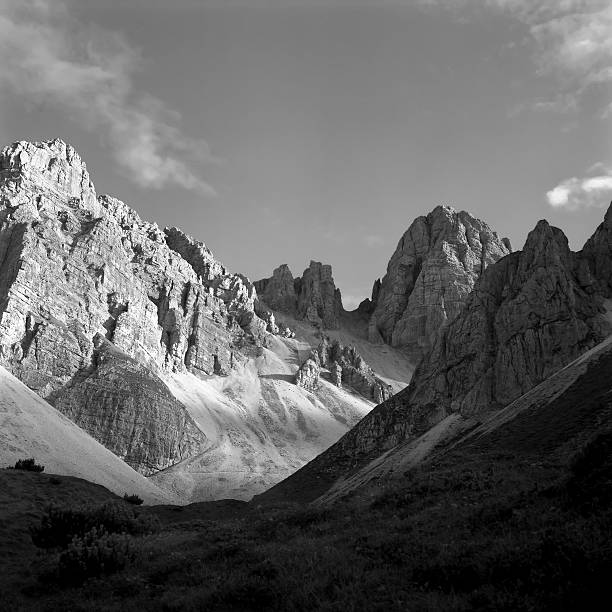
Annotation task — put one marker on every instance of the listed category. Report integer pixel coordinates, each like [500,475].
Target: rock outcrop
[74,266]
[308,375]
[278,291]
[429,277]
[529,315]
[347,366]
[130,411]
[312,297]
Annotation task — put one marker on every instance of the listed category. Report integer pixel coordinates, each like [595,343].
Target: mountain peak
[433,269]
[313,296]
[51,167]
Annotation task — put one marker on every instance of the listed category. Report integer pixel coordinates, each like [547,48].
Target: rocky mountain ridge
[147,342]
[80,270]
[100,312]
[529,314]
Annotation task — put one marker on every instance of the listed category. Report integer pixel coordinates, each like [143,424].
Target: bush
[133,499]
[60,525]
[95,553]
[593,455]
[29,465]
[589,486]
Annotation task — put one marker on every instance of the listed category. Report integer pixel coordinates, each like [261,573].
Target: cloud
[87,71]
[572,41]
[576,193]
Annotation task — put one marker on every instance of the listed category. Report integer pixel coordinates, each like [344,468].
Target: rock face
[74,267]
[347,366]
[120,403]
[312,297]
[529,314]
[429,277]
[278,291]
[308,374]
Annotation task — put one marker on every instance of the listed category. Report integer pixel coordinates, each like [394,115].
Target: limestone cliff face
[74,265]
[528,315]
[429,277]
[312,297]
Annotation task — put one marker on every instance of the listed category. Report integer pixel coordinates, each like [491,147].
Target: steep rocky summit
[432,271]
[78,271]
[312,297]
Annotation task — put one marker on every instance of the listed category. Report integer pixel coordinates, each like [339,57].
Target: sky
[280,131]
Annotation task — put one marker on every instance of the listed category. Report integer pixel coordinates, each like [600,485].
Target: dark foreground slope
[517,516]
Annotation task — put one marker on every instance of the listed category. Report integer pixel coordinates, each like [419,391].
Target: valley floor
[482,529]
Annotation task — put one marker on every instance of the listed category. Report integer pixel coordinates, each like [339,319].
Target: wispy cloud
[572,41]
[576,193]
[87,71]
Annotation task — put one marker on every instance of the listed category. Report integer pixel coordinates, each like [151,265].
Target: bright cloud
[87,71]
[575,193]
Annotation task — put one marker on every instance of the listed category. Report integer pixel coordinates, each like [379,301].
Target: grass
[486,531]
[518,520]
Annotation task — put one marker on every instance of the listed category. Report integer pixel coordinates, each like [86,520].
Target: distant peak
[447,208]
[608,216]
[51,164]
[282,270]
[544,234]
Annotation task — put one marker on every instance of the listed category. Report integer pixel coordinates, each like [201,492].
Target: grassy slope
[23,497]
[504,521]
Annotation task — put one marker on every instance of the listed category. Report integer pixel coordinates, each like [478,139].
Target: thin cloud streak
[87,71]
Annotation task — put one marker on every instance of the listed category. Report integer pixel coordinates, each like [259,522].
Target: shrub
[593,455]
[60,525]
[29,465]
[133,499]
[95,553]
[589,486]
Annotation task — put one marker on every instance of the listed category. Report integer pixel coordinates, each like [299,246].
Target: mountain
[429,276]
[312,297]
[528,315]
[556,417]
[428,279]
[207,383]
[149,344]
[30,427]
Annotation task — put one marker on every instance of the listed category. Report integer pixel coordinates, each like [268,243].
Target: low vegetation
[28,465]
[59,525]
[485,531]
[133,499]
